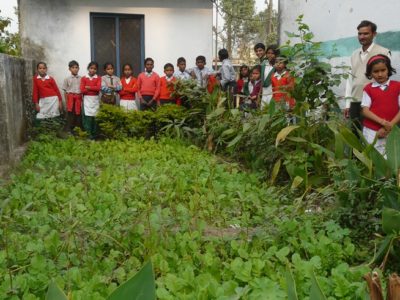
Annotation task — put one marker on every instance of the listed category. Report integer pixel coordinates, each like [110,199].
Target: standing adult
[267,70]
[356,82]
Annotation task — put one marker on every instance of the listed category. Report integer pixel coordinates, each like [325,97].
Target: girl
[46,95]
[380,103]
[253,89]
[148,86]
[243,79]
[129,89]
[90,88]
[282,84]
[109,84]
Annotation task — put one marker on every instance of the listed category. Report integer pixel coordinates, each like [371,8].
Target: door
[118,39]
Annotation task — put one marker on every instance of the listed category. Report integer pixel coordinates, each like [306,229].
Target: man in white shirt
[357,80]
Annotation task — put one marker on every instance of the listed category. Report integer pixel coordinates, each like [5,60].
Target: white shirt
[279,76]
[202,75]
[366,99]
[182,75]
[43,78]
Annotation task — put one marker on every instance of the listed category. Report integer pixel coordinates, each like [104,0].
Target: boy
[73,97]
[167,86]
[182,73]
[200,73]
[148,84]
[228,74]
[266,72]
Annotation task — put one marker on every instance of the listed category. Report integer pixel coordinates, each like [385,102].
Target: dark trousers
[355,117]
[167,101]
[145,106]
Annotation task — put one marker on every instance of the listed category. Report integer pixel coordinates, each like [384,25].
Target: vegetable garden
[225,205]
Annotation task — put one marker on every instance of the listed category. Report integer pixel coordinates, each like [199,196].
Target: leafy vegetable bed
[90,214]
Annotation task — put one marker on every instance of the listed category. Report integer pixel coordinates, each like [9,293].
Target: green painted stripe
[346,46]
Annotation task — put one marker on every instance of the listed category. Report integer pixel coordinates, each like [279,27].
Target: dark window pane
[130,43]
[104,41]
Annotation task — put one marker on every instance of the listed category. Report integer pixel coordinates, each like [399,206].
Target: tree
[9,42]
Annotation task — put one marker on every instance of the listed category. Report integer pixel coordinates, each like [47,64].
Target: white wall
[58,31]
[335,22]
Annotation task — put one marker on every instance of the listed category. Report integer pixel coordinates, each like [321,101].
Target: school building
[335,24]
[120,31]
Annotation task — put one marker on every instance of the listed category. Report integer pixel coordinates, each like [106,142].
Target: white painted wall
[173,28]
[331,20]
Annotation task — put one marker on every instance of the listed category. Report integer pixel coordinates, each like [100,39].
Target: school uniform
[185,75]
[240,84]
[109,95]
[282,84]
[384,101]
[148,88]
[166,90]
[73,98]
[252,89]
[267,72]
[357,80]
[128,93]
[47,95]
[201,76]
[91,103]
[228,75]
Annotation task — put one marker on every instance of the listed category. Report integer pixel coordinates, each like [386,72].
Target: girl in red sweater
[167,86]
[282,84]
[380,103]
[148,86]
[46,95]
[90,88]
[129,89]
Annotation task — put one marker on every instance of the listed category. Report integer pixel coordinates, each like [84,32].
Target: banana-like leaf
[55,293]
[139,287]
[393,149]
[284,133]
[350,138]
[390,220]
[291,285]
[363,158]
[316,291]
[275,171]
[383,249]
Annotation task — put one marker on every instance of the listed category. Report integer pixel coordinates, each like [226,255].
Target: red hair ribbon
[375,58]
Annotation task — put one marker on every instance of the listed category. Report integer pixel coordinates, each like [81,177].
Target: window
[118,39]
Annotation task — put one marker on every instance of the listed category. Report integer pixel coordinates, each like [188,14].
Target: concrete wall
[334,22]
[15,87]
[58,31]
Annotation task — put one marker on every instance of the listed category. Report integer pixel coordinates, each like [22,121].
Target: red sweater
[44,88]
[384,104]
[148,86]
[281,89]
[128,89]
[93,83]
[166,88]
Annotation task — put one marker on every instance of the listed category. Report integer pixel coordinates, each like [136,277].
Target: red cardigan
[148,86]
[166,88]
[128,89]
[94,85]
[281,89]
[384,104]
[44,88]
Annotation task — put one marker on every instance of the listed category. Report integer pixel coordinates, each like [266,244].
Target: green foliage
[55,293]
[89,214]
[9,42]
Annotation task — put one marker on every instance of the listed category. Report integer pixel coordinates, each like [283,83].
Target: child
[73,97]
[90,88]
[267,71]
[182,73]
[253,89]
[201,73]
[380,103]
[271,54]
[148,86]
[109,84]
[243,79]
[166,86]
[46,95]
[129,89]
[282,84]
[228,74]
